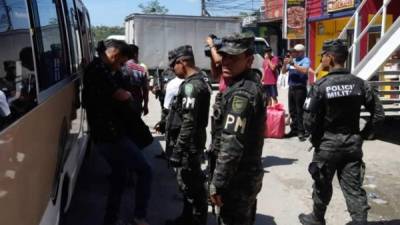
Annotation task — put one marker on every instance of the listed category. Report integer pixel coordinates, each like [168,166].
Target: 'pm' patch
[188,102]
[239,104]
[235,124]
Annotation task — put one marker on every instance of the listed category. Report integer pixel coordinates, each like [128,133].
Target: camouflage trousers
[191,182]
[350,172]
[171,136]
[240,201]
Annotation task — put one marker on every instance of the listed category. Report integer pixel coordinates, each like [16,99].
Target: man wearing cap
[189,112]
[297,66]
[332,115]
[161,92]
[161,80]
[238,173]
[172,127]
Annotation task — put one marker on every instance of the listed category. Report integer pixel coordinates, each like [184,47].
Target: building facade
[327,18]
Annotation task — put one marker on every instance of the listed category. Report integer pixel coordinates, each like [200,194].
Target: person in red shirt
[136,82]
[270,76]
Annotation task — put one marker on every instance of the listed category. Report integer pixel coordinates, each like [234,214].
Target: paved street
[286,188]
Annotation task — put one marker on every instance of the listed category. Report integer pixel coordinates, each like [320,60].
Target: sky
[113,12]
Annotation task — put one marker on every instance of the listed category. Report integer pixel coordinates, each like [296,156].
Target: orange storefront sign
[337,5]
[295,20]
[273,9]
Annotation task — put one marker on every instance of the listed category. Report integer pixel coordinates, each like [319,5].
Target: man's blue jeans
[123,155]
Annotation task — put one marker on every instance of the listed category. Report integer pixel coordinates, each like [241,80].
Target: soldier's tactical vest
[254,141]
[174,120]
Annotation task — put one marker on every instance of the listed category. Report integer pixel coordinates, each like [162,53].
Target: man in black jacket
[332,117]
[110,110]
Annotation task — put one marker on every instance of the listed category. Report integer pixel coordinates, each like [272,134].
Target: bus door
[85,36]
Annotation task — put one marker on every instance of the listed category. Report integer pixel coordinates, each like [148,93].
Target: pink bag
[275,121]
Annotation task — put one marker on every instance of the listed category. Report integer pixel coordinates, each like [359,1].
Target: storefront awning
[331,16]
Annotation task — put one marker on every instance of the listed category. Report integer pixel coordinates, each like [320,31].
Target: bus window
[17,73]
[73,31]
[90,38]
[52,57]
[84,38]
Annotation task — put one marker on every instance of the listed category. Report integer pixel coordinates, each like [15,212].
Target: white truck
[155,35]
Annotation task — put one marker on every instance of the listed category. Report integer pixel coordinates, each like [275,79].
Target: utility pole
[204,11]
[7,9]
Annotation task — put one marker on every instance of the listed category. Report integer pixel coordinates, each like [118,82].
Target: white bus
[45,44]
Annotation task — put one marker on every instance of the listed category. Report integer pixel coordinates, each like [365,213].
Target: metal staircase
[371,67]
[388,85]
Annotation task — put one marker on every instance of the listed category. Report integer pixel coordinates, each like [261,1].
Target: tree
[102,32]
[153,7]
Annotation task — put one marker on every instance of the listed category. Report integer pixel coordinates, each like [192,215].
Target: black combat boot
[310,219]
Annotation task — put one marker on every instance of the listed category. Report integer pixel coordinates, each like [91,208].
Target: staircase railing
[354,24]
[376,57]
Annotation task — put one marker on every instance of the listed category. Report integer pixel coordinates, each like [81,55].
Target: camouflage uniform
[189,113]
[238,141]
[170,117]
[161,85]
[332,117]
[216,128]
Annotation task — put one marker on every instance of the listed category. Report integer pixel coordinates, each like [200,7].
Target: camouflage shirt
[242,136]
[191,107]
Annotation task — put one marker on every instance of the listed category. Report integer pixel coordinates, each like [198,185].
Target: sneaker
[310,219]
[140,221]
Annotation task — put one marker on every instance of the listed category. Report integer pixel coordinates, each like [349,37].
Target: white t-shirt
[171,91]
[4,108]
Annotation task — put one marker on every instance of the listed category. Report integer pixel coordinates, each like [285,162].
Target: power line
[204,11]
[233,7]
